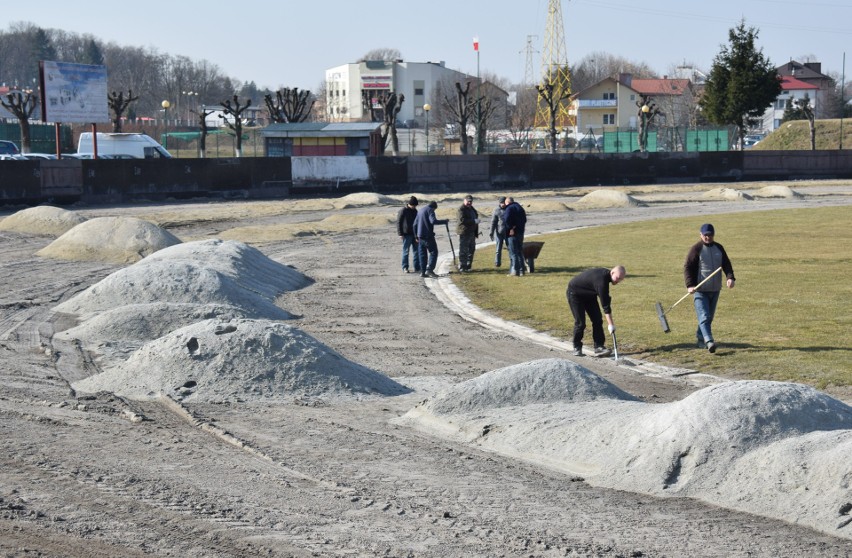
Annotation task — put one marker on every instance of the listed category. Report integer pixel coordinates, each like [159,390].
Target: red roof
[789,83]
[660,86]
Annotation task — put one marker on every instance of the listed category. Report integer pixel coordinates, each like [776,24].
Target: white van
[136,145]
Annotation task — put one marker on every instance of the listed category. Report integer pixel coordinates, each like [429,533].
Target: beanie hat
[707,228]
[412,201]
[468,197]
[501,199]
[433,204]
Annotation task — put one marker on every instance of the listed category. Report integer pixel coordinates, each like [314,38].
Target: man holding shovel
[702,260]
[583,293]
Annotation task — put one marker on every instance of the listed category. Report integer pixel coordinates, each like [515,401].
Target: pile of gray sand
[769,448]
[42,220]
[778,192]
[606,198]
[726,194]
[120,240]
[238,360]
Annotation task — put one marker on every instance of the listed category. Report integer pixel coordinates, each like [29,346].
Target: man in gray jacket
[705,257]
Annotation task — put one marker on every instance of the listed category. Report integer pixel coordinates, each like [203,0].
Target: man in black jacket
[405,229]
[583,293]
[467,229]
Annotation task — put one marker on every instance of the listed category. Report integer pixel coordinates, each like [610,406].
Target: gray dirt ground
[102,476]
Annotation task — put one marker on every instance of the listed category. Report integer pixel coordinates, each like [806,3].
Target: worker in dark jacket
[583,293]
[496,233]
[424,230]
[514,223]
[467,229]
[703,258]
[405,230]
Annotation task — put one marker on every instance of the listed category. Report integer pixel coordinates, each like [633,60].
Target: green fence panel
[707,140]
[42,137]
[627,142]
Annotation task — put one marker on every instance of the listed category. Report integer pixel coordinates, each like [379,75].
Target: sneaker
[578,351]
[711,346]
[424,275]
[432,274]
[700,344]
[405,270]
[602,352]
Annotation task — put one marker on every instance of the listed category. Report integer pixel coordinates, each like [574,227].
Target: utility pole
[554,70]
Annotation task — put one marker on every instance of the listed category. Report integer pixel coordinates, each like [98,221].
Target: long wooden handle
[718,269]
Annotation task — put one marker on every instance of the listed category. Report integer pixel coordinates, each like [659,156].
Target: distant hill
[795,135]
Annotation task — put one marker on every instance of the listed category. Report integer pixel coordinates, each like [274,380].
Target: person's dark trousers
[467,247]
[580,306]
[427,250]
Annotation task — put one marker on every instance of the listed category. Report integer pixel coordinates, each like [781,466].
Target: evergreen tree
[742,83]
[93,54]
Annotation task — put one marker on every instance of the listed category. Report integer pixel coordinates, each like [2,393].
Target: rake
[662,315]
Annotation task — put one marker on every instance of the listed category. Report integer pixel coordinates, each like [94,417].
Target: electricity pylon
[554,70]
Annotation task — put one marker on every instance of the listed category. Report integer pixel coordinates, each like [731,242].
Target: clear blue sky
[291,43]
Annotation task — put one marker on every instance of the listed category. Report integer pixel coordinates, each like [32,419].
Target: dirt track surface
[103,476]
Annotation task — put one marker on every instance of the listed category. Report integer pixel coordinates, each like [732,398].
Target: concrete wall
[124,180]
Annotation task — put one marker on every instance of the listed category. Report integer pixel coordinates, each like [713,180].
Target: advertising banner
[73,92]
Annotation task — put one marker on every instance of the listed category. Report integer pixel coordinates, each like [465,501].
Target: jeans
[705,309]
[409,245]
[427,250]
[580,306]
[499,239]
[516,254]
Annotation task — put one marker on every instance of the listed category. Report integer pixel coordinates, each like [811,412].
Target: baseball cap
[707,228]
[468,197]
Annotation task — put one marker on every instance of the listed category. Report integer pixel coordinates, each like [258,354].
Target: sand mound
[42,220]
[778,192]
[116,333]
[205,272]
[728,194]
[362,199]
[111,239]
[756,446]
[547,206]
[216,361]
[607,198]
[540,381]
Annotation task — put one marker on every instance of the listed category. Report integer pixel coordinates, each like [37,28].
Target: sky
[284,43]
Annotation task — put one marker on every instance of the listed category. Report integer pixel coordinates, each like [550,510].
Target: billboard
[73,92]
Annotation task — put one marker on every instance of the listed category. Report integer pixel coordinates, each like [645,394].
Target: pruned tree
[522,117]
[483,110]
[203,129]
[118,104]
[289,105]
[552,97]
[462,108]
[741,84]
[647,111]
[801,109]
[235,111]
[21,104]
[391,105]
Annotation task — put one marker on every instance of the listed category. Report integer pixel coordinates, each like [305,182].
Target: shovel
[662,315]
[451,244]
[615,347]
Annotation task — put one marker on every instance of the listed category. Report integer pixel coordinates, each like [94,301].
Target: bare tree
[522,117]
[118,104]
[647,111]
[289,105]
[384,53]
[391,105]
[552,97]
[21,104]
[462,109]
[235,111]
[203,129]
[804,105]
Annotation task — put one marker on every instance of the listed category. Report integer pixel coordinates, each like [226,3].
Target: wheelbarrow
[531,252]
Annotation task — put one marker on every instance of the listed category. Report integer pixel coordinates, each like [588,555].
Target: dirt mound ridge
[42,220]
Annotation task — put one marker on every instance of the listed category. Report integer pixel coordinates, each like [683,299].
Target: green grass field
[789,318]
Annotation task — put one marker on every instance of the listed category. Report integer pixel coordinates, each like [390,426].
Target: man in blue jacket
[424,229]
[514,222]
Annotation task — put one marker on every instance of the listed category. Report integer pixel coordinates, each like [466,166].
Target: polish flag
[476,44]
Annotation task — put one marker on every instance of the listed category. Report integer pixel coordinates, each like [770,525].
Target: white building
[792,90]
[350,86]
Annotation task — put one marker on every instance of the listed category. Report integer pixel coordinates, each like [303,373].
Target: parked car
[37,156]
[9,148]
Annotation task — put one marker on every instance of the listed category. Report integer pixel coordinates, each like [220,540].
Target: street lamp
[643,133]
[426,108]
[165,105]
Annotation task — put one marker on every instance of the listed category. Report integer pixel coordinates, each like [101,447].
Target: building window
[609,96]
[608,119]
[418,91]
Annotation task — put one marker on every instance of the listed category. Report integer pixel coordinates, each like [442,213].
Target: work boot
[578,351]
[602,352]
